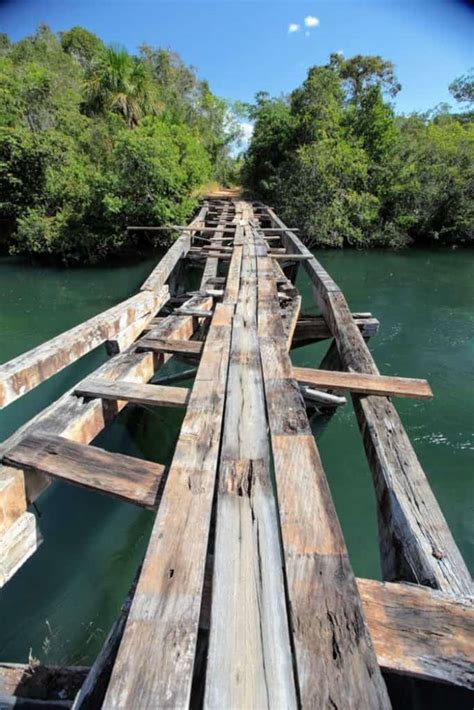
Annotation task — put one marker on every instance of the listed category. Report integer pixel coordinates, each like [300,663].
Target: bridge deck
[246,597]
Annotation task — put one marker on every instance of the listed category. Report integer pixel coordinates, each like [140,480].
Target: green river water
[60,605]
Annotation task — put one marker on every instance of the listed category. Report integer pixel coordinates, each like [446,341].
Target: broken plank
[124,477]
[420,632]
[364,384]
[163,622]
[134,392]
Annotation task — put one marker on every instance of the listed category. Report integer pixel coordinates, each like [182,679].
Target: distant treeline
[93,138]
[335,160]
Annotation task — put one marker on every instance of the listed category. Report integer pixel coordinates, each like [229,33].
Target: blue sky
[245,46]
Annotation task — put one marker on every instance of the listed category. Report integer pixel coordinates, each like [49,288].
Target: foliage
[93,138]
[336,161]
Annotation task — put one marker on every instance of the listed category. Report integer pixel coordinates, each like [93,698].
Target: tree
[81,45]
[462,88]
[360,72]
[120,83]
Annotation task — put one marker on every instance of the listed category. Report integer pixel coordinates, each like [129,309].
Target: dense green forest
[335,160]
[93,138]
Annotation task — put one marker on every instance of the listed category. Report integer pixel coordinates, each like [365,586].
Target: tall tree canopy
[93,138]
[336,161]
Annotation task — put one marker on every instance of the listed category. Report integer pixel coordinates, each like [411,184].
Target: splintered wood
[246,597]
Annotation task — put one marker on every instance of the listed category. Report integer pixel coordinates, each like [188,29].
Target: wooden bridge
[246,597]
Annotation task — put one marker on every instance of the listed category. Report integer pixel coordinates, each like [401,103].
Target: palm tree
[121,83]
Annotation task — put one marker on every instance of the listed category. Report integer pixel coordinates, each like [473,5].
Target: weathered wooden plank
[163,619]
[124,477]
[39,682]
[420,632]
[25,372]
[19,542]
[335,660]
[211,265]
[416,544]
[289,257]
[161,345]
[134,392]
[249,660]
[364,384]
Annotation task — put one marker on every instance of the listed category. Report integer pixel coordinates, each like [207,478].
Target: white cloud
[246,129]
[293,27]
[340,52]
[311,21]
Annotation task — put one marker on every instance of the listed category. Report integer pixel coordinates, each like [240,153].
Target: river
[60,605]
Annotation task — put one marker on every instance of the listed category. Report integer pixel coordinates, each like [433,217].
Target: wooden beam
[310,329]
[134,392]
[12,497]
[420,632]
[125,477]
[289,257]
[184,347]
[25,372]
[161,631]
[249,660]
[364,384]
[416,544]
[335,661]
[19,542]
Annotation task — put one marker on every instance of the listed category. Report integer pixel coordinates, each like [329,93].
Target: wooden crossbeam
[118,475]
[364,384]
[161,345]
[310,329]
[195,312]
[134,392]
[289,257]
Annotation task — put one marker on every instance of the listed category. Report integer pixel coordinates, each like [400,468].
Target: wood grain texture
[364,384]
[12,497]
[420,632]
[134,392]
[310,329]
[26,371]
[161,345]
[335,660]
[19,542]
[416,544]
[124,477]
[163,620]
[249,660]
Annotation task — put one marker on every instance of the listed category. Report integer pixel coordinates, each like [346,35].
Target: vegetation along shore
[93,139]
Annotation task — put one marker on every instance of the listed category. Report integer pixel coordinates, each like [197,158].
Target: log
[125,477]
[134,392]
[364,384]
[23,373]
